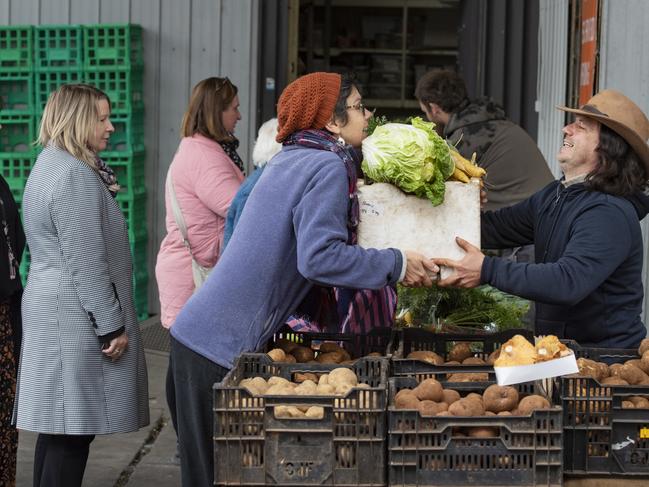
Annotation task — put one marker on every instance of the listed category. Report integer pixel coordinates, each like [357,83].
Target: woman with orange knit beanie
[297,230]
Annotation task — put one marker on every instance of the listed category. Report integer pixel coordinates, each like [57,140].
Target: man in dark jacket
[587,279]
[515,167]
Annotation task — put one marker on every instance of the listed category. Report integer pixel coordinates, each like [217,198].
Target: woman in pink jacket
[203,177]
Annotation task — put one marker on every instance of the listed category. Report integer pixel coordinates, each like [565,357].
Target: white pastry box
[391,218]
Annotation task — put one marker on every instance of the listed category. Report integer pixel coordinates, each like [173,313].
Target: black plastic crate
[600,437]
[344,448]
[429,450]
[357,345]
[408,340]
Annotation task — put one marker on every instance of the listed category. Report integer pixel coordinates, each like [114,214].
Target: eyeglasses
[359,106]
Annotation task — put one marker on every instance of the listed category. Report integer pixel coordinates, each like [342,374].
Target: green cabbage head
[412,157]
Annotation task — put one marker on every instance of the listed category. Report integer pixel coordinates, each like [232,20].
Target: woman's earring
[341,141]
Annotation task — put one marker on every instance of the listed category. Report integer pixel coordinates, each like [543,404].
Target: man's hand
[420,271]
[467,271]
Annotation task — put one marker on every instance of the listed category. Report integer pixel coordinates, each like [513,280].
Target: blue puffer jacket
[587,279]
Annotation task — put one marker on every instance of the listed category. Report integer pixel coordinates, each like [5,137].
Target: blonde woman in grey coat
[82,369]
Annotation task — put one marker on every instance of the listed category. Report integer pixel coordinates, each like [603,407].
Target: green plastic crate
[124,89]
[129,169]
[58,47]
[141,294]
[17,93]
[15,169]
[48,81]
[139,254]
[16,48]
[17,133]
[133,207]
[112,47]
[129,132]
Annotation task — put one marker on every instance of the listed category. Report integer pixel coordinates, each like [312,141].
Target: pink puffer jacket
[205,181]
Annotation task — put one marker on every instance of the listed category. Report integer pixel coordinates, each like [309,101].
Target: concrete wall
[184,41]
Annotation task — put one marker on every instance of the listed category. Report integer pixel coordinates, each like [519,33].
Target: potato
[285,345]
[639,402]
[633,375]
[406,399]
[627,405]
[589,368]
[324,379]
[468,377]
[474,396]
[426,356]
[289,359]
[614,370]
[473,361]
[306,388]
[256,385]
[603,370]
[493,356]
[644,346]
[288,412]
[300,377]
[489,413]
[277,355]
[327,347]
[302,354]
[444,413]
[325,390]
[374,354]
[315,412]
[329,358]
[504,413]
[614,381]
[450,396]
[452,363]
[500,398]
[343,389]
[644,362]
[483,432]
[429,389]
[279,390]
[531,403]
[466,407]
[278,380]
[342,375]
[429,408]
[460,352]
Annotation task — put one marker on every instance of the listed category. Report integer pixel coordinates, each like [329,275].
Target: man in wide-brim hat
[587,279]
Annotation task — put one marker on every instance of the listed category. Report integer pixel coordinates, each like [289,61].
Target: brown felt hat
[307,103]
[622,116]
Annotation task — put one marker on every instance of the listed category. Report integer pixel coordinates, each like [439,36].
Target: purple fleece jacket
[292,234]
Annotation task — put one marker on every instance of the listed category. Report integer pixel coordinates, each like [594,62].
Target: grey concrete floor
[111,455]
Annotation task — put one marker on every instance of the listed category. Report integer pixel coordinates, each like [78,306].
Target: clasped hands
[421,271]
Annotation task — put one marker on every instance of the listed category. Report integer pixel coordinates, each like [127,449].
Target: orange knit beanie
[307,103]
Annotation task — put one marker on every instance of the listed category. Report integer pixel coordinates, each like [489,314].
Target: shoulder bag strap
[178,214]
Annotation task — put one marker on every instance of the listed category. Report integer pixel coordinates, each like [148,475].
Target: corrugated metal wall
[552,72]
[624,66]
[184,41]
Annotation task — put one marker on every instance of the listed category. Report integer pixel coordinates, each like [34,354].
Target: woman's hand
[467,271]
[420,271]
[116,347]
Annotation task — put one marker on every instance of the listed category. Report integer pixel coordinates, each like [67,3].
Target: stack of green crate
[113,62]
[17,116]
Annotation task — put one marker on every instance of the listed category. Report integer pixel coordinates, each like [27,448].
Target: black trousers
[193,377]
[60,460]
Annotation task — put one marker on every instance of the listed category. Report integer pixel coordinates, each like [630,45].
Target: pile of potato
[431,399]
[327,353]
[632,373]
[338,382]
[459,354]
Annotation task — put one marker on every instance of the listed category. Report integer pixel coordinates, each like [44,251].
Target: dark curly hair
[443,87]
[347,83]
[620,171]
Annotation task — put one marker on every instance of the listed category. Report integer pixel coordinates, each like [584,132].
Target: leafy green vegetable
[484,307]
[412,157]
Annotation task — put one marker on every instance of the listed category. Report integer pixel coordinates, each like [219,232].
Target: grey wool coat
[79,288]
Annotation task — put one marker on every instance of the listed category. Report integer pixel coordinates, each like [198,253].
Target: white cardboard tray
[525,373]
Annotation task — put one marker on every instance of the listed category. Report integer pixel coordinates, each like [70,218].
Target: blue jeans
[192,379]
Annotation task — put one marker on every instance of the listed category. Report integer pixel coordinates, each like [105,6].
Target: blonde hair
[266,146]
[210,98]
[70,119]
